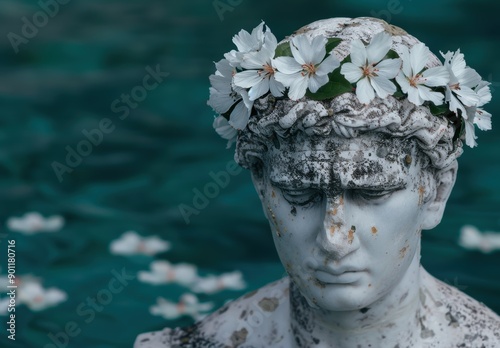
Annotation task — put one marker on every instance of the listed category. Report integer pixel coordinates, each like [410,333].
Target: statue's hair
[344,116]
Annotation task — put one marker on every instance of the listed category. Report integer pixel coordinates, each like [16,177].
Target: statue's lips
[330,277]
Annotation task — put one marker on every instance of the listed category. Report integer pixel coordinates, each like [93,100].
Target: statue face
[346,215]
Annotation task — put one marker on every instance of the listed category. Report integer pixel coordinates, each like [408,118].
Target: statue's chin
[334,297]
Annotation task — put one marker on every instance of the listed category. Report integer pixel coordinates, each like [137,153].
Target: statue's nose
[337,237]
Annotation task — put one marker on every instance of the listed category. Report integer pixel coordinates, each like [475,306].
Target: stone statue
[348,178]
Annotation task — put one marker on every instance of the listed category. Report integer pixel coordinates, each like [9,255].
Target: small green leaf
[438,109]
[283,50]
[391,55]
[332,43]
[336,86]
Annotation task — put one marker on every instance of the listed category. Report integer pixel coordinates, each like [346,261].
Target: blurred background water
[65,78]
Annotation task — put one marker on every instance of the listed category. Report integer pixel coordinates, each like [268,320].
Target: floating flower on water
[37,298]
[415,81]
[472,238]
[33,222]
[369,70]
[212,283]
[224,95]
[260,76]
[308,68]
[188,305]
[130,243]
[163,272]
[31,293]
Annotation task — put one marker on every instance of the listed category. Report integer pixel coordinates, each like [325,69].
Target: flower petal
[382,86]
[379,46]
[469,77]
[287,65]
[404,54]
[316,81]
[277,88]
[483,119]
[470,136]
[467,96]
[259,89]
[437,76]
[220,102]
[240,116]
[328,65]
[427,94]
[388,68]
[351,72]
[414,96]
[247,78]
[298,87]
[419,56]
[403,82]
[358,53]
[318,49]
[301,49]
[364,91]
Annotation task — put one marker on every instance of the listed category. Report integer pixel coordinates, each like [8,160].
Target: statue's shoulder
[452,313]
[263,311]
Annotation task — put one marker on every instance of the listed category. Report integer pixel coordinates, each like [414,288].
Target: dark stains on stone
[293,211]
[364,310]
[269,304]
[367,168]
[239,337]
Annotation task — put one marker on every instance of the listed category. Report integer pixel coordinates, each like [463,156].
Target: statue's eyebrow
[377,185]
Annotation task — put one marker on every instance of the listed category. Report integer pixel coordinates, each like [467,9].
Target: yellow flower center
[308,69]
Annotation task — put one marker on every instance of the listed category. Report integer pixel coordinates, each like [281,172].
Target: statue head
[351,132]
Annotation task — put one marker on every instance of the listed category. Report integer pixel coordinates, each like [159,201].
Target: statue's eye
[301,197]
[374,196]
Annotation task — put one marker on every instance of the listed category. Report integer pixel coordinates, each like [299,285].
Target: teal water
[66,78]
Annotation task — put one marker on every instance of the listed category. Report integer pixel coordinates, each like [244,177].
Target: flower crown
[306,66]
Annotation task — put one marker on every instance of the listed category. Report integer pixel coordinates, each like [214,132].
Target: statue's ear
[434,209]
[257,173]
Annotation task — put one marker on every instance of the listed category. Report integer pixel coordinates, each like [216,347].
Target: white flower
[224,95]
[225,130]
[130,243]
[414,82]
[459,90]
[472,238]
[306,69]
[31,293]
[476,115]
[370,73]
[260,78]
[482,118]
[163,272]
[246,43]
[213,284]
[37,298]
[188,305]
[33,222]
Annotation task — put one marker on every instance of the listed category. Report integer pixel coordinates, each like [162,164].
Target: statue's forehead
[350,163]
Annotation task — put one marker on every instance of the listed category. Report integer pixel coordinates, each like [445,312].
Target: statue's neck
[394,319]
